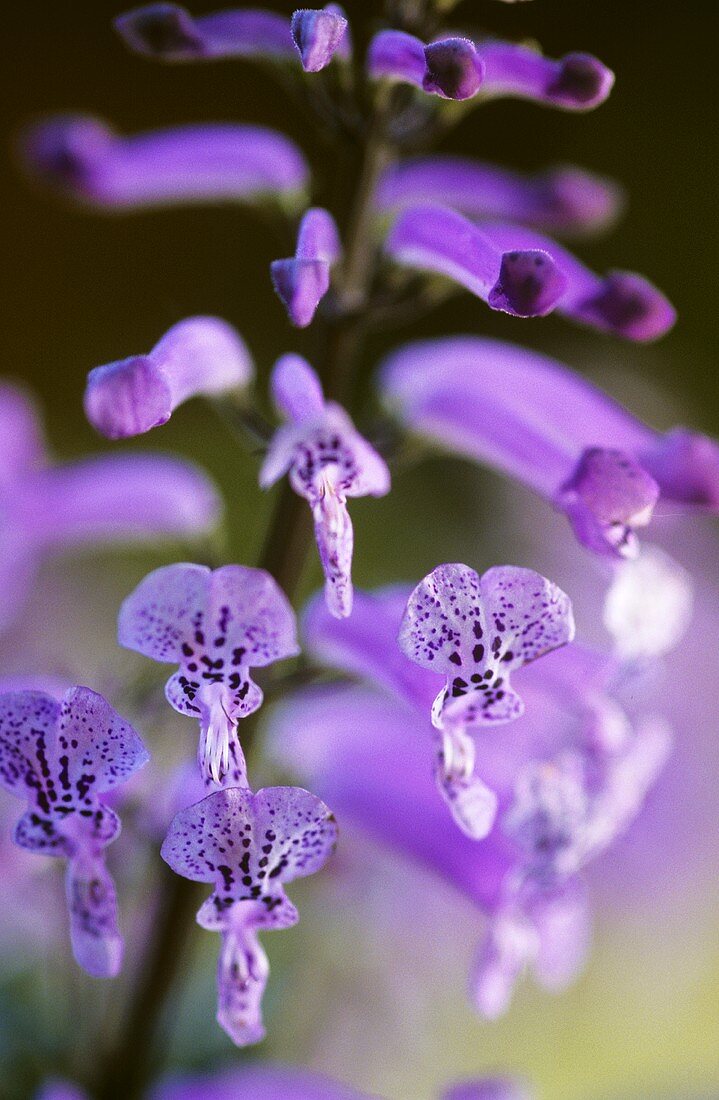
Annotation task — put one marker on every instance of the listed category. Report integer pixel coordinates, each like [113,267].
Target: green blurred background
[81,290]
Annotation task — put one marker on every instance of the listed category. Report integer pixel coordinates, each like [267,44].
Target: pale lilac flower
[476,631]
[217,626]
[168,32]
[648,606]
[113,498]
[200,355]
[449,67]
[522,282]
[622,303]
[61,757]
[564,200]
[319,34]
[327,461]
[82,158]
[302,281]
[577,82]
[540,423]
[248,846]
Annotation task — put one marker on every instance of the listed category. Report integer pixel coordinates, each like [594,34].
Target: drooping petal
[242,973]
[577,82]
[648,607]
[82,158]
[622,303]
[319,34]
[524,283]
[335,542]
[562,200]
[92,903]
[302,281]
[167,32]
[201,355]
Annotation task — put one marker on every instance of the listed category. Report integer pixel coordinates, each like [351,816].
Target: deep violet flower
[319,34]
[60,757]
[113,498]
[302,281]
[83,159]
[476,631]
[327,461]
[622,303]
[540,423]
[248,846]
[522,282]
[564,200]
[201,355]
[577,82]
[449,67]
[217,626]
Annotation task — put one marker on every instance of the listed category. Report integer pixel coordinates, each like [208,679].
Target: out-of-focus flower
[327,461]
[61,757]
[540,423]
[524,283]
[563,200]
[622,303]
[475,631]
[168,32]
[217,625]
[45,508]
[319,34]
[248,846]
[83,159]
[648,607]
[201,355]
[577,82]
[302,281]
[449,67]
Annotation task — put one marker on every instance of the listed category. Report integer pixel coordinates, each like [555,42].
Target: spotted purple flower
[248,846]
[201,355]
[327,461]
[217,626]
[319,34]
[538,422]
[302,281]
[522,282]
[60,757]
[83,159]
[113,498]
[476,631]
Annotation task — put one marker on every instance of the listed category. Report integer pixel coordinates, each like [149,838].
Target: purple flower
[449,67]
[621,302]
[167,32]
[476,631]
[217,626]
[61,757]
[327,461]
[563,200]
[319,34]
[248,846]
[537,421]
[45,508]
[83,159]
[302,281]
[201,355]
[524,283]
[577,82]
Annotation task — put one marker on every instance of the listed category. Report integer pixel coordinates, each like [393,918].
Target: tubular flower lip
[327,461]
[521,282]
[248,846]
[167,32]
[449,67]
[113,498]
[302,281]
[217,626]
[60,757]
[577,82]
[563,200]
[319,34]
[83,159]
[201,355]
[622,303]
[537,421]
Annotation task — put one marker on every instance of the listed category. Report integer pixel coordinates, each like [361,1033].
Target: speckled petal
[28,721]
[242,973]
[96,941]
[102,749]
[158,617]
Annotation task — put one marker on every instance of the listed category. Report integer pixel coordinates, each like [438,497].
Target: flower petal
[454,71]
[92,903]
[242,973]
[22,448]
[167,32]
[577,82]
[318,35]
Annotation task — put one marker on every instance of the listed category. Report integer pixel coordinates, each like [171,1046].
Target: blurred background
[352,993]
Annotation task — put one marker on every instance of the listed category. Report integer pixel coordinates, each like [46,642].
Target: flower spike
[319,34]
[327,461]
[167,32]
[302,281]
[248,846]
[578,82]
[449,67]
[201,355]
[60,757]
[523,283]
[217,626]
[83,159]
